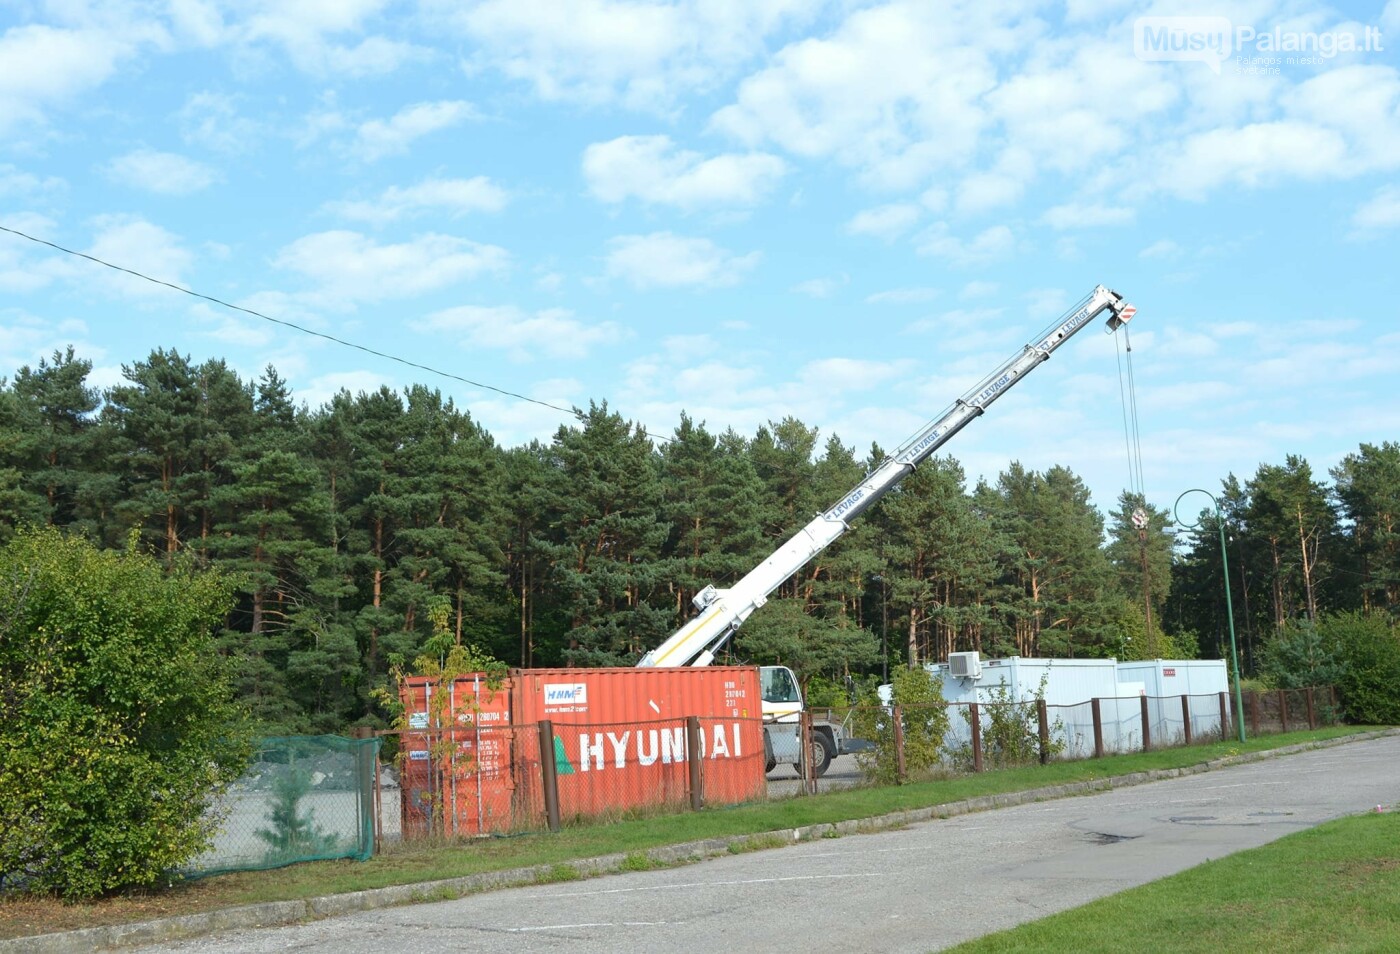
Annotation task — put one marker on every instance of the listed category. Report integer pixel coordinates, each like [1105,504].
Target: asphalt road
[919,889]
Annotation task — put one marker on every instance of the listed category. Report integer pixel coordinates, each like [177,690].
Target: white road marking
[720,884]
[584,924]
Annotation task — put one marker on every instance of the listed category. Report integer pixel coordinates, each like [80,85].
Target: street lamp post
[1229,606]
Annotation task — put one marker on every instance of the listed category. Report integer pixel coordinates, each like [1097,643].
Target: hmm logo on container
[573,694]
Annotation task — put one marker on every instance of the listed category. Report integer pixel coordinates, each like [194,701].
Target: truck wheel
[770,766]
[821,754]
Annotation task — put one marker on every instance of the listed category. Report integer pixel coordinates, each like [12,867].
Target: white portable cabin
[1069,684]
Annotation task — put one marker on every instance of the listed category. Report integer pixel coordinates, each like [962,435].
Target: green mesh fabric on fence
[303,798]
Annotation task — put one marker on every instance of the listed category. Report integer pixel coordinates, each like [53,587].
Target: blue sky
[744,209]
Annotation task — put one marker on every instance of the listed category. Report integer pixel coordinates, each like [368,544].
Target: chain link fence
[303,798]
[318,797]
[900,743]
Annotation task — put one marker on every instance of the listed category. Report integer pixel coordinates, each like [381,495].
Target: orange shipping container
[459,775]
[620,741]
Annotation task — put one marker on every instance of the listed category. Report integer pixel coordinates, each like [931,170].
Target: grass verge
[408,864]
[1331,888]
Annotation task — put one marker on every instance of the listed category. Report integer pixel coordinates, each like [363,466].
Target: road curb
[275,913]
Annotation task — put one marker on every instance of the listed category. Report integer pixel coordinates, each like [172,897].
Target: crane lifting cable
[1132,437]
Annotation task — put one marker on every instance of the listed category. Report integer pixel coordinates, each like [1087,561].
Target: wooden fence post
[1312,710]
[1043,716]
[1146,724]
[899,766]
[1283,710]
[1225,726]
[1254,717]
[1186,717]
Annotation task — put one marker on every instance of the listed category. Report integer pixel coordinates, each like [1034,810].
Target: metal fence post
[1098,727]
[1186,717]
[899,767]
[549,774]
[1224,715]
[1043,717]
[1146,723]
[809,755]
[1283,710]
[1312,710]
[974,718]
[695,754]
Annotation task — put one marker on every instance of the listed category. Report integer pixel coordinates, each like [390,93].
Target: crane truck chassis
[723,611]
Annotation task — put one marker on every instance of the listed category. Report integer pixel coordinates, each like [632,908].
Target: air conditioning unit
[965,665]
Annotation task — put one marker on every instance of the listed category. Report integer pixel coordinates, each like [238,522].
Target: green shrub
[292,835]
[1369,683]
[924,720]
[1303,655]
[116,727]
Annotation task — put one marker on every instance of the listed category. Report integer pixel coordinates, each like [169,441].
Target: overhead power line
[572,412]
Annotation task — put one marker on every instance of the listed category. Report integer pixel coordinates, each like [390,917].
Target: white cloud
[820,287]
[1162,248]
[903,296]
[1001,185]
[163,173]
[987,246]
[851,374]
[17,183]
[1259,154]
[960,321]
[19,270]
[384,137]
[886,221]
[453,196]
[1380,212]
[652,169]
[553,332]
[321,389]
[213,120]
[47,66]
[978,290]
[1092,216]
[644,55]
[305,31]
[233,329]
[893,91]
[350,267]
[1044,303]
[665,260]
[140,246]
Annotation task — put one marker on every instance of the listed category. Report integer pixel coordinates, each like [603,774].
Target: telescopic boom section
[722,611]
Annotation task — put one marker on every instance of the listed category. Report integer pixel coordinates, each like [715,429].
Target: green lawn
[1331,888]
[416,863]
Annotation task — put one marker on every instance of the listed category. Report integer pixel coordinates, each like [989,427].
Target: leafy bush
[1010,729]
[1357,653]
[1370,680]
[116,727]
[924,720]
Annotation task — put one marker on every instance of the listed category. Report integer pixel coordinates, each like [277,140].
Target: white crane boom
[722,611]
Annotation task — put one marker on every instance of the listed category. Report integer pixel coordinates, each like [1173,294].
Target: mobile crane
[722,611]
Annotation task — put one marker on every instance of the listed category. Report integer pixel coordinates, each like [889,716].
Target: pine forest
[352,530]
